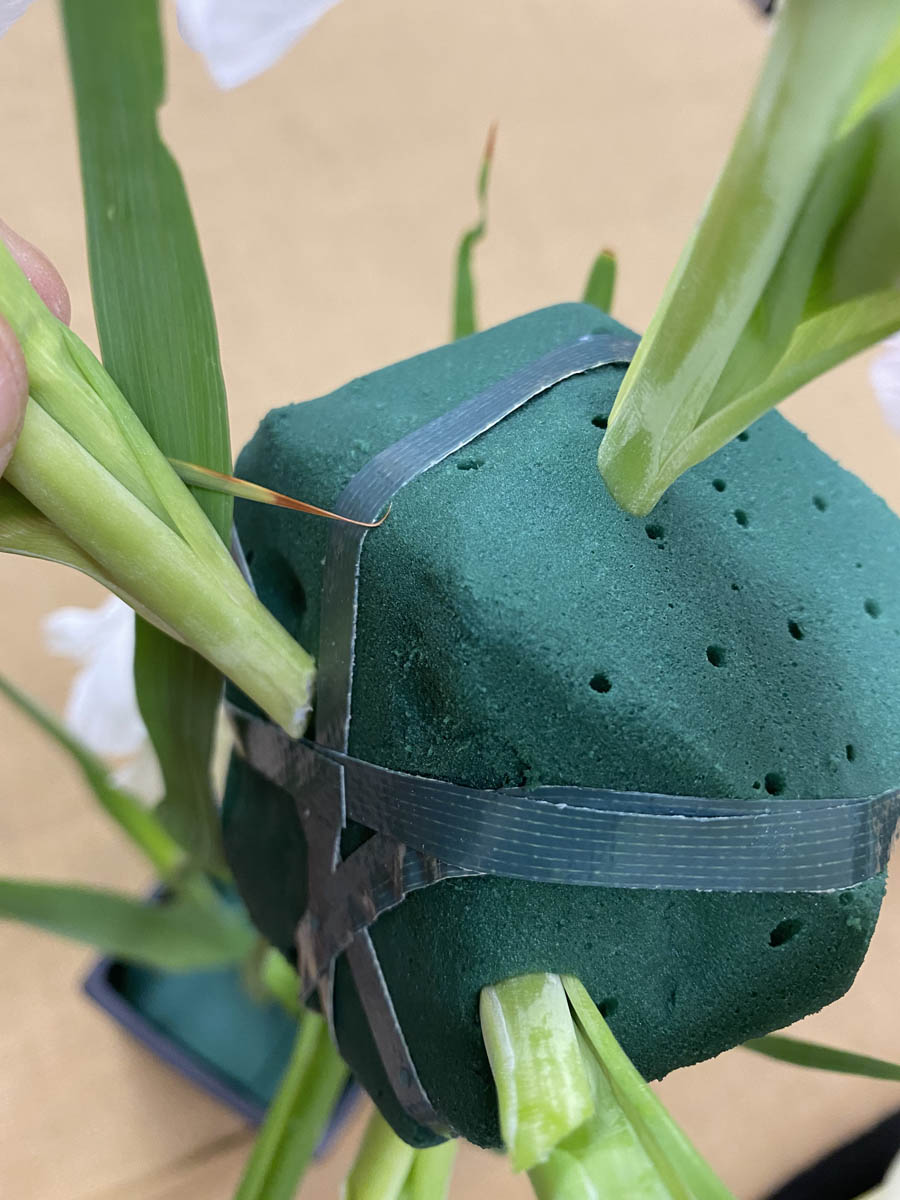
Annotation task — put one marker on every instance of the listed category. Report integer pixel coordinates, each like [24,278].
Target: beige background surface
[329,195]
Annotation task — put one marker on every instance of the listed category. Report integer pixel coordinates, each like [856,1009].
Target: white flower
[10,11]
[885,376]
[238,38]
[102,708]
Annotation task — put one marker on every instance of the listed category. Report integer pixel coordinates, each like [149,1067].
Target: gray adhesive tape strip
[602,838]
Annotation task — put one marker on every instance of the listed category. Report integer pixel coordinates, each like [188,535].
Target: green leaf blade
[176,936]
[816,67]
[678,1165]
[823,1058]
[140,826]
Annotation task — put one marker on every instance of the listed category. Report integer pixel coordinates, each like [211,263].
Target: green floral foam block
[517,628]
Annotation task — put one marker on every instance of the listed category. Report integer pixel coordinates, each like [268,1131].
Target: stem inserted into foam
[547,1042]
[543,1089]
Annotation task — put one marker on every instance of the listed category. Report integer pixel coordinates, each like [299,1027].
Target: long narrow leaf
[142,827]
[230,485]
[158,337]
[297,1117]
[817,345]
[823,1058]
[679,1165]
[178,936]
[465,317]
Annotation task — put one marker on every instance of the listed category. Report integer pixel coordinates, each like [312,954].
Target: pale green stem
[211,608]
[297,1118]
[430,1174]
[280,980]
[382,1164]
[85,461]
[543,1090]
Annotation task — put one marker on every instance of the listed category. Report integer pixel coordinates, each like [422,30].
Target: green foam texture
[517,628]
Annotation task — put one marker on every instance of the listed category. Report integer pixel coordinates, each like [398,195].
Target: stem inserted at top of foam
[793,266]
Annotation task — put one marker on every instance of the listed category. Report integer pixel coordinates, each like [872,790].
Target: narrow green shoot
[823,1058]
[543,1089]
[465,318]
[601,282]
[298,1116]
[139,825]
[801,224]
[386,1168]
[382,1163]
[279,980]
[624,1095]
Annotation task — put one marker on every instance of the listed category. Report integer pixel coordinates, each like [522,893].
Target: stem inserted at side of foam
[543,1089]
[88,465]
[574,1109]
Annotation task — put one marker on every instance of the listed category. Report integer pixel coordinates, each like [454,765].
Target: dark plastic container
[206,1026]
[851,1170]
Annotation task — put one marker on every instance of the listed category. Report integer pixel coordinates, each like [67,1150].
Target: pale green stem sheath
[85,461]
[543,1089]
[298,1116]
[26,531]
[603,1159]
[382,1164]
[817,65]
[210,607]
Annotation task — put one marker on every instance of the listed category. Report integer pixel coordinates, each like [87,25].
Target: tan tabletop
[329,195]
